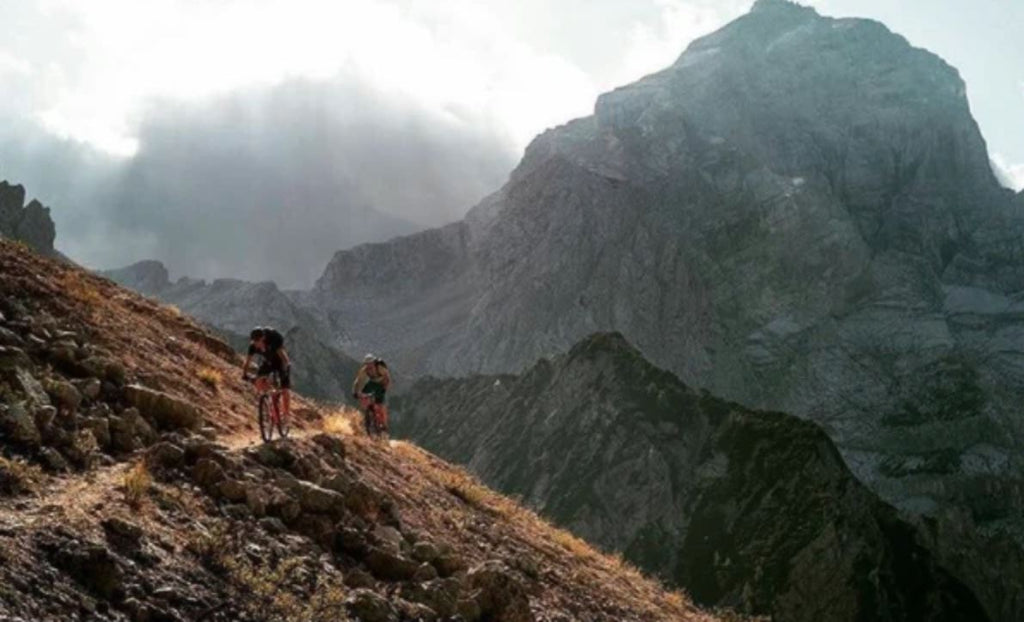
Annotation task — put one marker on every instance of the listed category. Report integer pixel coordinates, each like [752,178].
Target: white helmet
[369,358]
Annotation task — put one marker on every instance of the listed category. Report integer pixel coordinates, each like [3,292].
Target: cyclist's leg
[382,409]
[284,374]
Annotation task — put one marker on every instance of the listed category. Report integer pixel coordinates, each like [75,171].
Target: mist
[264,183]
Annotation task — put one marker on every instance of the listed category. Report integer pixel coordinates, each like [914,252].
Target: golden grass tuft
[79,288]
[173,310]
[18,477]
[136,482]
[210,377]
[341,422]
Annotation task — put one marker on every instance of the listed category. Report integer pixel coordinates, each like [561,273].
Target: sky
[194,130]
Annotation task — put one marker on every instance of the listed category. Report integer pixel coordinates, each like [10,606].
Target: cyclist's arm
[359,382]
[385,379]
[284,357]
[245,366]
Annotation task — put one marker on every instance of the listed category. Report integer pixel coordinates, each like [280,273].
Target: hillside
[102,389]
[750,510]
[233,307]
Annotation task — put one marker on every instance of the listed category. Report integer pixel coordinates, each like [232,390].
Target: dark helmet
[257,333]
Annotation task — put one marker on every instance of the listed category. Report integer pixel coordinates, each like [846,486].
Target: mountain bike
[269,406]
[375,416]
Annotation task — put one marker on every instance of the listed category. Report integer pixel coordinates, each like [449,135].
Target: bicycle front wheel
[266,426]
[282,419]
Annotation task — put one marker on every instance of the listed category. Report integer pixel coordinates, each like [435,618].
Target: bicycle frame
[268,390]
[369,406]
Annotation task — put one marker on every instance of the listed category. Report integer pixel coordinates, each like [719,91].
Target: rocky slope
[747,509]
[130,489]
[233,307]
[30,223]
[798,215]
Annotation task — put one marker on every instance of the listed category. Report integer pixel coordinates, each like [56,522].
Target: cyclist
[374,379]
[268,344]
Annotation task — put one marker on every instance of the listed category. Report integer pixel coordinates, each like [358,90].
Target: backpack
[382,368]
[274,339]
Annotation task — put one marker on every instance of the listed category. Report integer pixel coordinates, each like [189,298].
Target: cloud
[1009,174]
[264,183]
[253,138]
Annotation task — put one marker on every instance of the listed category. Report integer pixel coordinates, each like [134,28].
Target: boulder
[319,500]
[89,388]
[82,449]
[91,565]
[168,412]
[425,572]
[65,396]
[389,565]
[100,427]
[448,564]
[139,426]
[10,338]
[388,538]
[104,368]
[440,595]
[233,490]
[44,416]
[501,596]
[52,459]
[12,358]
[368,606]
[357,578]
[351,541]
[33,391]
[122,434]
[207,473]
[19,425]
[164,455]
[425,551]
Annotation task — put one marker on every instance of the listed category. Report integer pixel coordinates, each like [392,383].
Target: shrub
[136,484]
[210,377]
[18,477]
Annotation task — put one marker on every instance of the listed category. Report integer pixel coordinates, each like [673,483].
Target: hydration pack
[274,339]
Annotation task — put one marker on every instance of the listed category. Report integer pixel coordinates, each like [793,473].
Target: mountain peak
[779,5]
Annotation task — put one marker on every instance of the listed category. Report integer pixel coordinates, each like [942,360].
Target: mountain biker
[373,378]
[268,344]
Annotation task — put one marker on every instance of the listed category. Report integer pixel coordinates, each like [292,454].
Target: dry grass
[341,422]
[210,377]
[172,309]
[78,288]
[18,477]
[136,483]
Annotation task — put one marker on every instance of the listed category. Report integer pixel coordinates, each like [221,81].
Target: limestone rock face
[30,223]
[745,509]
[798,215]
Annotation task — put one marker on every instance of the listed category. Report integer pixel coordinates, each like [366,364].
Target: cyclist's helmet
[256,333]
[369,358]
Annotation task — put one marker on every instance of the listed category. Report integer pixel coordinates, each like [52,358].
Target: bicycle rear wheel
[282,421]
[266,426]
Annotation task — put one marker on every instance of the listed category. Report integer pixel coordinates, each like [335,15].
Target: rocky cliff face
[799,214]
[746,509]
[30,223]
[233,307]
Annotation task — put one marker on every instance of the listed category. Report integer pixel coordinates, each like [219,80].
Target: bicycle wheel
[368,421]
[266,426]
[282,421]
